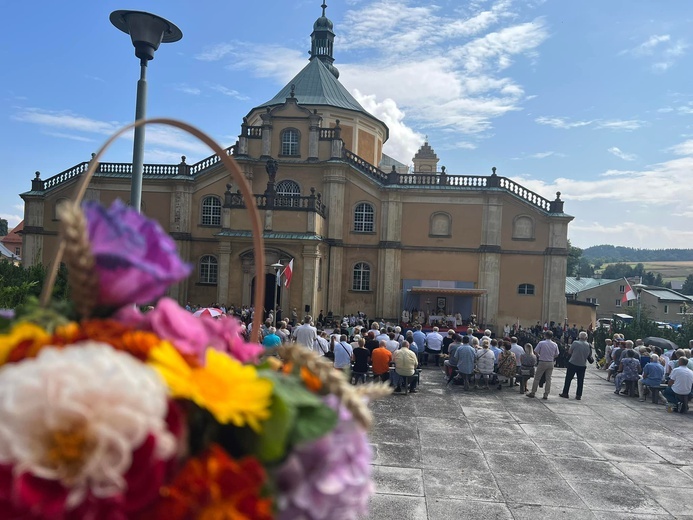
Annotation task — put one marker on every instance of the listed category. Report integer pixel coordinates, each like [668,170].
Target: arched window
[287,193]
[440,225]
[211,211]
[209,269]
[525,288]
[291,142]
[362,277]
[56,208]
[523,228]
[364,218]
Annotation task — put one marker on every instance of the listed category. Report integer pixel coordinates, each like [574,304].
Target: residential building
[661,304]
[13,241]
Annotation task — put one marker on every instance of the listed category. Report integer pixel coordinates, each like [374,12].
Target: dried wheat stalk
[82,277]
[355,399]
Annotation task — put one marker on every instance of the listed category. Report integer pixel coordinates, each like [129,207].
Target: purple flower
[329,478]
[7,314]
[136,260]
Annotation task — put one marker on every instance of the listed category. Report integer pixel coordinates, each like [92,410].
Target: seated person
[652,376]
[405,365]
[450,366]
[271,339]
[465,359]
[680,384]
[380,360]
[629,369]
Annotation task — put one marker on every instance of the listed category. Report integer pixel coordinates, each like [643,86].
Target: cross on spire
[324,6]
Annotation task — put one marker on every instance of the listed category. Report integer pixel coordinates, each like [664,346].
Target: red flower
[215,486]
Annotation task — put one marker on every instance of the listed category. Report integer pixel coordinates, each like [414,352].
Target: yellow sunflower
[231,391]
[28,336]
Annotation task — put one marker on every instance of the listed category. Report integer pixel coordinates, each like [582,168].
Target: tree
[688,285]
[574,254]
[616,271]
[3,227]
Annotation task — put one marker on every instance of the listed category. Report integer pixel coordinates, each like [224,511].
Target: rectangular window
[17,250]
[618,303]
[621,289]
[630,303]
[591,300]
[666,309]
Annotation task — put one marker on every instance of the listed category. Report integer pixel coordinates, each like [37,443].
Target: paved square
[444,453]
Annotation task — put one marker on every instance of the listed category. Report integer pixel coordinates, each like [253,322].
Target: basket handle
[231,166]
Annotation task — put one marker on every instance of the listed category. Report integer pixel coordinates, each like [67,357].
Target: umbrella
[663,343]
[208,311]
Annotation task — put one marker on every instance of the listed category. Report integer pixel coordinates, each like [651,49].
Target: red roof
[13,237]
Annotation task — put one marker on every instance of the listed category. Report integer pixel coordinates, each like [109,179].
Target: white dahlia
[76,415]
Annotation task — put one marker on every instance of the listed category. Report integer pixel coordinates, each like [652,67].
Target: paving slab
[444,453]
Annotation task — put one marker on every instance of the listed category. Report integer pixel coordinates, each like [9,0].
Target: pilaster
[335,280]
[309,280]
[266,134]
[224,272]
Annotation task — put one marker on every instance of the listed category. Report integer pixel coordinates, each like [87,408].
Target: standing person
[342,353]
[306,334]
[607,353]
[518,351]
[546,352]
[360,356]
[294,317]
[579,352]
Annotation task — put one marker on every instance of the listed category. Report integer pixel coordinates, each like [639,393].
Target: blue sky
[591,98]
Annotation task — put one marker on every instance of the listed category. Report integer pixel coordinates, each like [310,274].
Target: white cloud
[66,120]
[12,219]
[228,91]
[685,148]
[541,155]
[193,91]
[73,137]
[403,142]
[215,52]
[662,49]
[562,123]
[627,125]
[621,154]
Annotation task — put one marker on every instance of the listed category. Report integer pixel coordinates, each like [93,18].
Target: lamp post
[276,267]
[147,32]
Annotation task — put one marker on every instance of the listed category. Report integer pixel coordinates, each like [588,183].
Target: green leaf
[272,442]
[291,390]
[313,422]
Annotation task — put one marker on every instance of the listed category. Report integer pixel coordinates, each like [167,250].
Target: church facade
[378,241]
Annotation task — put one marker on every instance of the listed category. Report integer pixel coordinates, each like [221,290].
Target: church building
[365,232]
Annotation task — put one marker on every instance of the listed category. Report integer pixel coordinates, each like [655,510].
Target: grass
[669,270]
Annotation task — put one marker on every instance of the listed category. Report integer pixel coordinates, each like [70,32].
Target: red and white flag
[630,294]
[288,270]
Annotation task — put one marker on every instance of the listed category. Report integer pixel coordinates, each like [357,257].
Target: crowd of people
[478,359]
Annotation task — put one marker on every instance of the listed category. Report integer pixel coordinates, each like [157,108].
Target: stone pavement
[444,453]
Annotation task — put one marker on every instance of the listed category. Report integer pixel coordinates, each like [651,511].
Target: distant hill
[607,253]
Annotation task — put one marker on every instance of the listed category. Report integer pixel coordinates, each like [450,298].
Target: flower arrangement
[107,412]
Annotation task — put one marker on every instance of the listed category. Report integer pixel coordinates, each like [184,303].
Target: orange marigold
[310,380]
[216,487]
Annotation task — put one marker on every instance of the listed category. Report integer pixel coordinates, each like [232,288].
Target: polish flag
[630,294]
[288,270]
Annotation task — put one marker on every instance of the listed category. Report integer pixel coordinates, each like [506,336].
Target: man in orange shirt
[380,360]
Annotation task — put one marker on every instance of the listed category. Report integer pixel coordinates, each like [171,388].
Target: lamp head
[146,30]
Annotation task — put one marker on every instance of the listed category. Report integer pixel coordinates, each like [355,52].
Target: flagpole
[277,267]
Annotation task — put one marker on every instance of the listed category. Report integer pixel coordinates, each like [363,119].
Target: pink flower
[190,335]
[136,260]
[171,322]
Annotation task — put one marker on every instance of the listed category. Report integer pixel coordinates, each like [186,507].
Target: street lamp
[147,32]
[277,267]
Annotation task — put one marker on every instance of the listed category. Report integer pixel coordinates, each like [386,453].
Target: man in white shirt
[342,353]
[434,343]
[680,385]
[392,344]
[306,334]
[517,350]
[546,352]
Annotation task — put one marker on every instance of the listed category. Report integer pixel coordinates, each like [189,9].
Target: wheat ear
[82,277]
